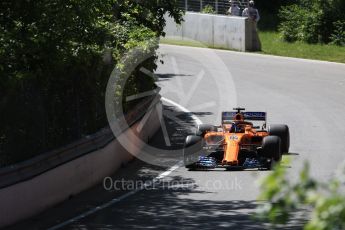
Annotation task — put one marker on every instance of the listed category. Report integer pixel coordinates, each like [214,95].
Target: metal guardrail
[28,169]
[220,6]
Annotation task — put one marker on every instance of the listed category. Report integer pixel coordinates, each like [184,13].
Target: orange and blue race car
[237,143]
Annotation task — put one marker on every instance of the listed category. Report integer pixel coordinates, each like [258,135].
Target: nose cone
[232,149]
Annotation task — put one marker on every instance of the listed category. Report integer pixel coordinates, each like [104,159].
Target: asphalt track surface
[309,96]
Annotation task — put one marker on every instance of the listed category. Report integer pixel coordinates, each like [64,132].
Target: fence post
[186,5]
[200,5]
[216,6]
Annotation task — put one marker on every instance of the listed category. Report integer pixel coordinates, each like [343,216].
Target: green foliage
[300,24]
[311,21]
[208,9]
[284,196]
[338,35]
[56,58]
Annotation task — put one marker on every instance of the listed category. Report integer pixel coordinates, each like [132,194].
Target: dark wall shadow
[167,76]
[292,154]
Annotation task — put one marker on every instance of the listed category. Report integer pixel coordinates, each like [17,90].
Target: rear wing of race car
[229,117]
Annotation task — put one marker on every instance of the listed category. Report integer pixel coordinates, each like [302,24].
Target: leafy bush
[291,28]
[283,196]
[208,9]
[338,35]
[300,24]
[311,21]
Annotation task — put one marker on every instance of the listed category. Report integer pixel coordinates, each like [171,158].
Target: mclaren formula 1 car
[237,143]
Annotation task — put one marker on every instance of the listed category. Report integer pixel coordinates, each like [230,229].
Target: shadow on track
[170,205]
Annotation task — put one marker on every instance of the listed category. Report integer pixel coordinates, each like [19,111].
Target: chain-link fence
[219,6]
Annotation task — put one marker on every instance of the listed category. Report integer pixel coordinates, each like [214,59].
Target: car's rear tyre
[204,128]
[192,147]
[283,132]
[271,148]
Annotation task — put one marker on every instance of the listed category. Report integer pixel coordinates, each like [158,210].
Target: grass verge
[191,43]
[272,44]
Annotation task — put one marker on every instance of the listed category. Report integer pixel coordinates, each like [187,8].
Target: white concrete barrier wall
[215,30]
[26,199]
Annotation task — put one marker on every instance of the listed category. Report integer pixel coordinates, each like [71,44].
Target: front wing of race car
[208,163]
